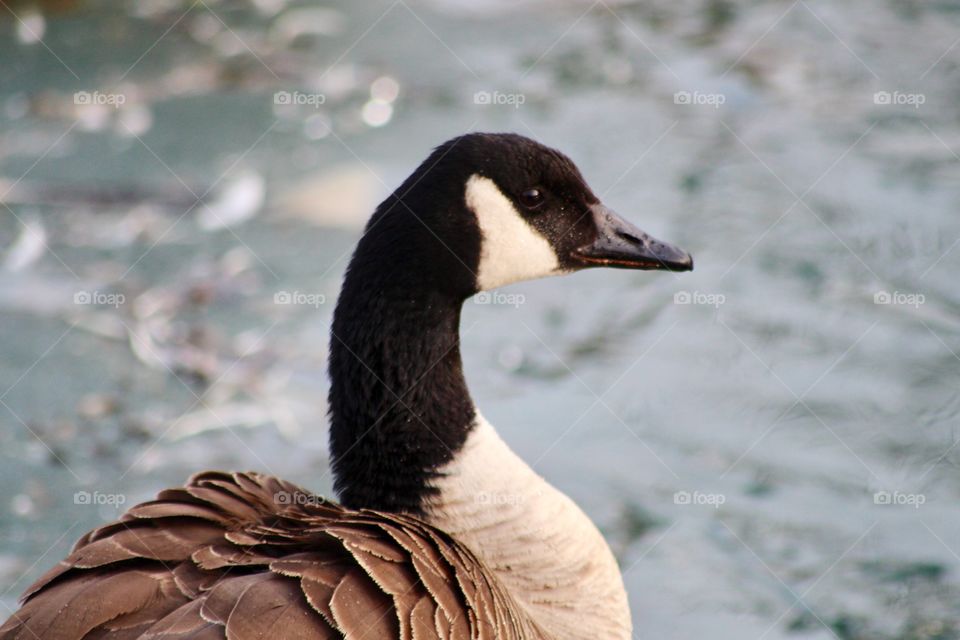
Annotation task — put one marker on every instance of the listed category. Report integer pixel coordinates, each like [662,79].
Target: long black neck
[399,404]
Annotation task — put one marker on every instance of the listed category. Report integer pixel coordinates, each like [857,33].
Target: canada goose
[442,531]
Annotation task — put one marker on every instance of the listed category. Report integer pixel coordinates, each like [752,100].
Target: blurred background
[769,443]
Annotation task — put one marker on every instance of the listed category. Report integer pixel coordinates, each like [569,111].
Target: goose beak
[621,245]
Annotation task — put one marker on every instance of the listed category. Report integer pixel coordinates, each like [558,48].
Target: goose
[441,531]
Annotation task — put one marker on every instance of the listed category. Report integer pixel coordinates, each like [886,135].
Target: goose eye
[532,198]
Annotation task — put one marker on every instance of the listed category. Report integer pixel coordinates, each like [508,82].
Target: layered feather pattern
[245,556]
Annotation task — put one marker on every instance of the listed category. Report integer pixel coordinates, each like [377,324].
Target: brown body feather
[247,557]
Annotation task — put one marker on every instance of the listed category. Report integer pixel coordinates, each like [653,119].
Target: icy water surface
[769,442]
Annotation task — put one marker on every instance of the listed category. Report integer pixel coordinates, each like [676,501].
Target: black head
[505,208]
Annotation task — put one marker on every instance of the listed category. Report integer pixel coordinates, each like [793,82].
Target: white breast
[511,249]
[547,552]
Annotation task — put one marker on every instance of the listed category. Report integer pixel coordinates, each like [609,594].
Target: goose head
[486,210]
[538,217]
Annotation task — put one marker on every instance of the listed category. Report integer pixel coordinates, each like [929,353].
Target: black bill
[620,244]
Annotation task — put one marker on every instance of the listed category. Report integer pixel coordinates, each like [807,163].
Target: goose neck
[399,404]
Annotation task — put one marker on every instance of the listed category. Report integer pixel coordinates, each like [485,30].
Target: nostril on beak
[629,237]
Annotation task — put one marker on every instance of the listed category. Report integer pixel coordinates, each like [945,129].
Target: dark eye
[532,198]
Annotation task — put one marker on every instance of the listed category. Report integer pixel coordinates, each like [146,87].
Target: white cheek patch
[510,249]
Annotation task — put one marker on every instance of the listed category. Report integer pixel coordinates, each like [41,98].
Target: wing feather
[361,609]
[222,558]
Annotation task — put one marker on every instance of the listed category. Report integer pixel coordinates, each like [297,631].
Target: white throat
[511,250]
[547,552]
